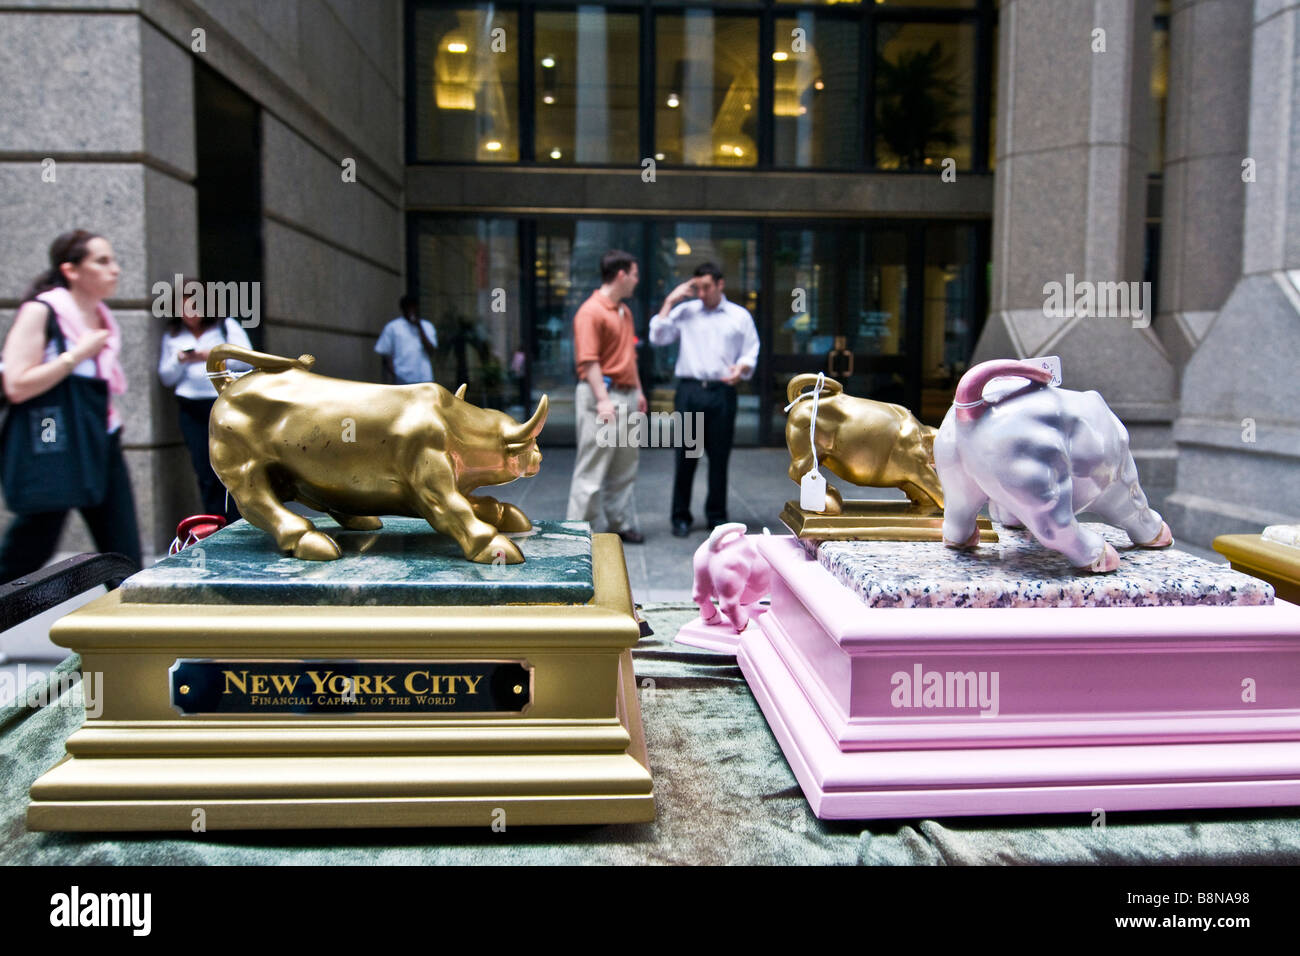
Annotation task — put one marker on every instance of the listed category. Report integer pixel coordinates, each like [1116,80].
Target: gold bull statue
[355,451]
[862,441]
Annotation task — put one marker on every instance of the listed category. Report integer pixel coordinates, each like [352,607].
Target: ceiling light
[555,154]
[492,145]
[780,56]
[673,101]
[548,98]
[456,46]
[548,61]
[818,85]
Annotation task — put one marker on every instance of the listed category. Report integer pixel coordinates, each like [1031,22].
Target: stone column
[97,132]
[1069,201]
[1205,141]
[1238,430]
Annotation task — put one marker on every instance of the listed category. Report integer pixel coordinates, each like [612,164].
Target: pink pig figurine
[729,567]
[1038,455]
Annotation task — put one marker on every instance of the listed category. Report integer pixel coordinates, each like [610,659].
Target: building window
[1159,92]
[706,89]
[950,325]
[468,274]
[816,109]
[585,80]
[466,84]
[924,86]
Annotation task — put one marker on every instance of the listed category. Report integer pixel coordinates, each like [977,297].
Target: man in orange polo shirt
[604,350]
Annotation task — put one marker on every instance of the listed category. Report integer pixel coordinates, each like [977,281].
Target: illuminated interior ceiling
[453,66]
[792,78]
[731,147]
[467,76]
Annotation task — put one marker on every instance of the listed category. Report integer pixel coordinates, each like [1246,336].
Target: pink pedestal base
[1111,708]
[716,637]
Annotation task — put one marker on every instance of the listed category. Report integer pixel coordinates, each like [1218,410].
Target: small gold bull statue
[355,451]
[862,441]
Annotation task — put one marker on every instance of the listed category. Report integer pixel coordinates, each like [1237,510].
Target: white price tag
[812,492]
[1051,363]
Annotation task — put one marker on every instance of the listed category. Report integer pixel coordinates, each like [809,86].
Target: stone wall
[105,90]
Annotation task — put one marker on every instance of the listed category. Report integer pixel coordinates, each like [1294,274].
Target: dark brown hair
[614,262]
[176,323]
[71,247]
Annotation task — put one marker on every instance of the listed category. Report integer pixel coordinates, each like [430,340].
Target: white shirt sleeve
[235,335]
[385,344]
[170,369]
[664,331]
[432,330]
[749,349]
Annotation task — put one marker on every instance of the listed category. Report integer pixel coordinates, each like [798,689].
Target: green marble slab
[405,564]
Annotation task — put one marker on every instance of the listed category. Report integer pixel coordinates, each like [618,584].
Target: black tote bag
[55,445]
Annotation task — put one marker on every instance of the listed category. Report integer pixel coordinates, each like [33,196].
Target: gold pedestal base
[874,521]
[1269,561]
[574,754]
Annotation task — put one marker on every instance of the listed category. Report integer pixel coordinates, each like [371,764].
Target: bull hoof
[316,546]
[1163,540]
[498,551]
[513,521]
[972,542]
[1107,561]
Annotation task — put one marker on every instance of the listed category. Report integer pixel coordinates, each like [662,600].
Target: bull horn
[460,392]
[529,429]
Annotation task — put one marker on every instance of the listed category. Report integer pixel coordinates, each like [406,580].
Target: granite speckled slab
[405,564]
[1017,571]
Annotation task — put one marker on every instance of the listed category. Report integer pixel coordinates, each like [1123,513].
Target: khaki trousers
[604,473]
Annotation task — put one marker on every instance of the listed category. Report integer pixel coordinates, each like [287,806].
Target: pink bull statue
[729,567]
[1039,455]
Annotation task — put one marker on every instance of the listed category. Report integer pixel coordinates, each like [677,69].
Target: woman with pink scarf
[83,273]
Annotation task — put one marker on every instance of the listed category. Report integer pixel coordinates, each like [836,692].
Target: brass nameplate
[350,687]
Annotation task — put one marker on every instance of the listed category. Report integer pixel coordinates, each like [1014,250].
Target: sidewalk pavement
[660,569]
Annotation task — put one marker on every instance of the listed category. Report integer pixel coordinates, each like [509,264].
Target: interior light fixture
[555,154]
[672,101]
[548,98]
[456,46]
[780,56]
[548,61]
[492,145]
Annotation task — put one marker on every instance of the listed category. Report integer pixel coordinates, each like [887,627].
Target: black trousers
[717,403]
[32,538]
[194,414]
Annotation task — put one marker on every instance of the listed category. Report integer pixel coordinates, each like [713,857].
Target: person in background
[719,347]
[83,273]
[604,350]
[407,345]
[182,366]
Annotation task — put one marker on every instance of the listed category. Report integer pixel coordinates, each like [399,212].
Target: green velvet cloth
[725,795]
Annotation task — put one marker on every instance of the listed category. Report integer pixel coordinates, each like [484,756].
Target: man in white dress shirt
[719,347]
[407,346]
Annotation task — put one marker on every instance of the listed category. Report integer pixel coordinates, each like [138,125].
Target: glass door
[840,306]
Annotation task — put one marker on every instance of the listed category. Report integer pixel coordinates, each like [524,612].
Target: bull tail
[800,382]
[969,399]
[221,376]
